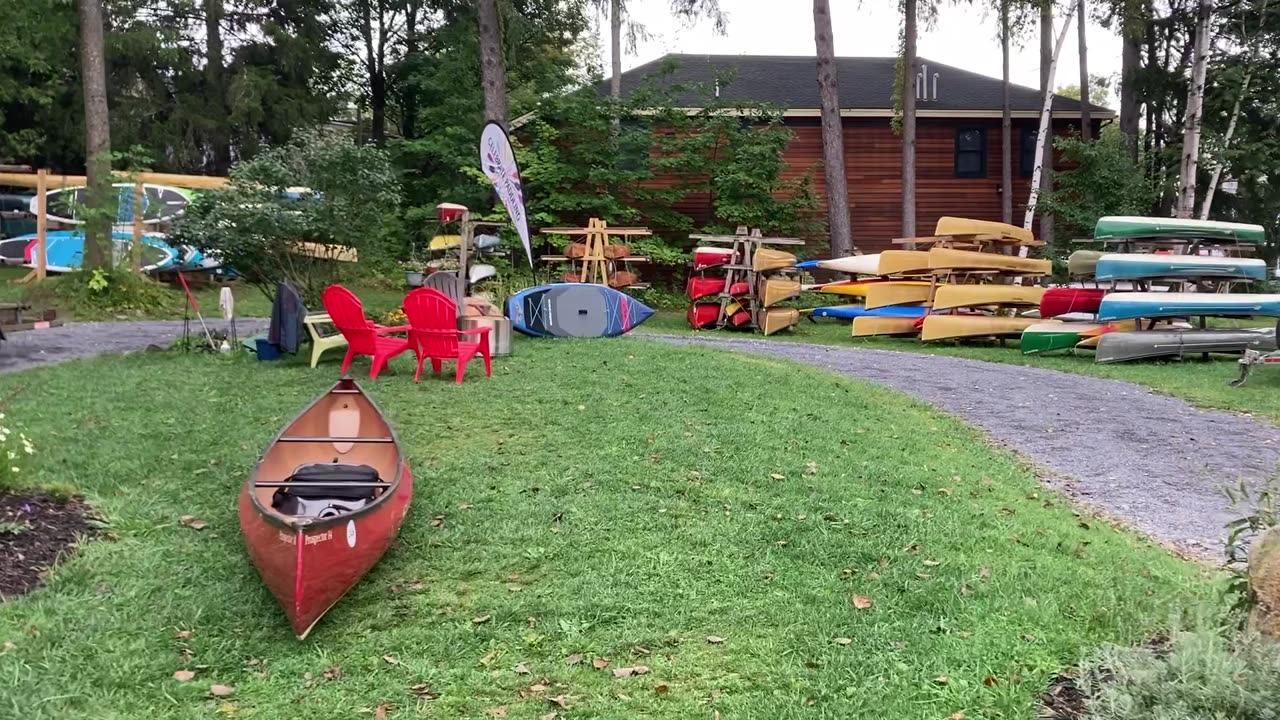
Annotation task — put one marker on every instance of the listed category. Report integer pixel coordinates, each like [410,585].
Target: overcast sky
[965,37]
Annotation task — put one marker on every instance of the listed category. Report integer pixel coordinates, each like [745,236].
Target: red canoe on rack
[700,287]
[1063,300]
[324,503]
[706,257]
[702,315]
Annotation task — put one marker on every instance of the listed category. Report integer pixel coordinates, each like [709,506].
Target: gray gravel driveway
[1153,461]
[33,348]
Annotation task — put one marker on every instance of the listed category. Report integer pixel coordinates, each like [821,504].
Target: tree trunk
[1130,64]
[1006,122]
[1046,131]
[409,97]
[909,119]
[215,79]
[832,133]
[1194,113]
[1045,166]
[378,80]
[492,70]
[615,47]
[1086,123]
[97,136]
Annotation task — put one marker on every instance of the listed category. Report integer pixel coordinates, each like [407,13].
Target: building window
[1027,150]
[971,152]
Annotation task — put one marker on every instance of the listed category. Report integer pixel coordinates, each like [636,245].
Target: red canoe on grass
[1063,300]
[324,503]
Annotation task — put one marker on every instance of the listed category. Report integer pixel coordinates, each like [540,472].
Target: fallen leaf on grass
[715,639]
[662,688]
[333,673]
[777,476]
[843,641]
[573,660]
[500,711]
[465,506]
[956,716]
[183,675]
[390,660]
[984,572]
[931,563]
[424,691]
[989,680]
[600,663]
[639,650]
[192,522]
[942,680]
[559,701]
[912,548]
[550,716]
[8,645]
[221,690]
[861,602]
[488,657]
[437,522]
[228,708]
[629,671]
[1029,638]
[811,468]
[521,669]
[482,619]
[380,712]
[184,634]
[715,694]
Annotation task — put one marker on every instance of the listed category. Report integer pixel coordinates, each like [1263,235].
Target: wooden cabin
[957,137]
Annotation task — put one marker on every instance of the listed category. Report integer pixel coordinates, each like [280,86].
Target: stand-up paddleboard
[64,250]
[160,203]
[575,310]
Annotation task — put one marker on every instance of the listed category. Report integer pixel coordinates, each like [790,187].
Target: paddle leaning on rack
[324,502]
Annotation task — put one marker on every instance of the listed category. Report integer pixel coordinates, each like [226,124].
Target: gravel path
[33,348]
[1151,460]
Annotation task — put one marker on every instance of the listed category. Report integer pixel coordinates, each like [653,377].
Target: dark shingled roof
[866,83]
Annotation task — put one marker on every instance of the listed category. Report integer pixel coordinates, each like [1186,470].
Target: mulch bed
[49,527]
[1064,700]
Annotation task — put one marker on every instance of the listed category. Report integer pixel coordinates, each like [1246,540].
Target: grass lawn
[849,552]
[1198,382]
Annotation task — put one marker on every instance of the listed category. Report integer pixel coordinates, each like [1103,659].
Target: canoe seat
[330,489]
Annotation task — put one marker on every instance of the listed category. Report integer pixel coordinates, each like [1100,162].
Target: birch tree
[1194,118]
[1043,151]
[909,119]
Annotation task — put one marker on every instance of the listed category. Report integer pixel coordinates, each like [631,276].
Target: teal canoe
[1118,227]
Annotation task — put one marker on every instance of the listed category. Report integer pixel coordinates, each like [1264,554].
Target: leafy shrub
[1202,674]
[350,201]
[98,292]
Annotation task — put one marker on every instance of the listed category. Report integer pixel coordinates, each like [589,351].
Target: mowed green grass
[619,499]
[1202,383]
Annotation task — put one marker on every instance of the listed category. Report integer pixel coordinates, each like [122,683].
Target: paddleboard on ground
[575,310]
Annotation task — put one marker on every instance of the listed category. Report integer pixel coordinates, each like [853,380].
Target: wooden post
[136,246]
[464,244]
[42,223]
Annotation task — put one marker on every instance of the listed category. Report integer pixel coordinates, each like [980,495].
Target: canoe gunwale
[343,386]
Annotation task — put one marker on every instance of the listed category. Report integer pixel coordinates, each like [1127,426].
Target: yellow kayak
[866,326]
[896,293]
[948,259]
[444,242]
[946,327]
[859,289]
[958,296]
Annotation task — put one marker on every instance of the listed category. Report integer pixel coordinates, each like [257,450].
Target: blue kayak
[575,310]
[64,250]
[807,264]
[849,312]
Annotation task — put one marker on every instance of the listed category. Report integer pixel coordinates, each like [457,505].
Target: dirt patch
[35,530]
[1064,700]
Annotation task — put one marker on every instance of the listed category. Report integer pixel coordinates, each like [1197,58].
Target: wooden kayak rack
[740,269]
[602,260]
[14,318]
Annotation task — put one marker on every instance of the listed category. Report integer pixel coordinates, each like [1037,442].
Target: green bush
[1201,674]
[96,293]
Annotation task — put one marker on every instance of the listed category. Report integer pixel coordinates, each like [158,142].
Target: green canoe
[1049,336]
[1117,227]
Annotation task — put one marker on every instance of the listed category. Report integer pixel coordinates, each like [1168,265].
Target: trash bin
[499,331]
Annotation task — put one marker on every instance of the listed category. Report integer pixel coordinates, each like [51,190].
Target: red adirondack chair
[363,336]
[434,333]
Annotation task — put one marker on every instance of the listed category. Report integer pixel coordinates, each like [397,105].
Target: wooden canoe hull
[896,293]
[772,320]
[951,327]
[308,571]
[868,326]
[776,289]
[1062,300]
[958,296]
[903,262]
[770,259]
[966,226]
[961,260]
